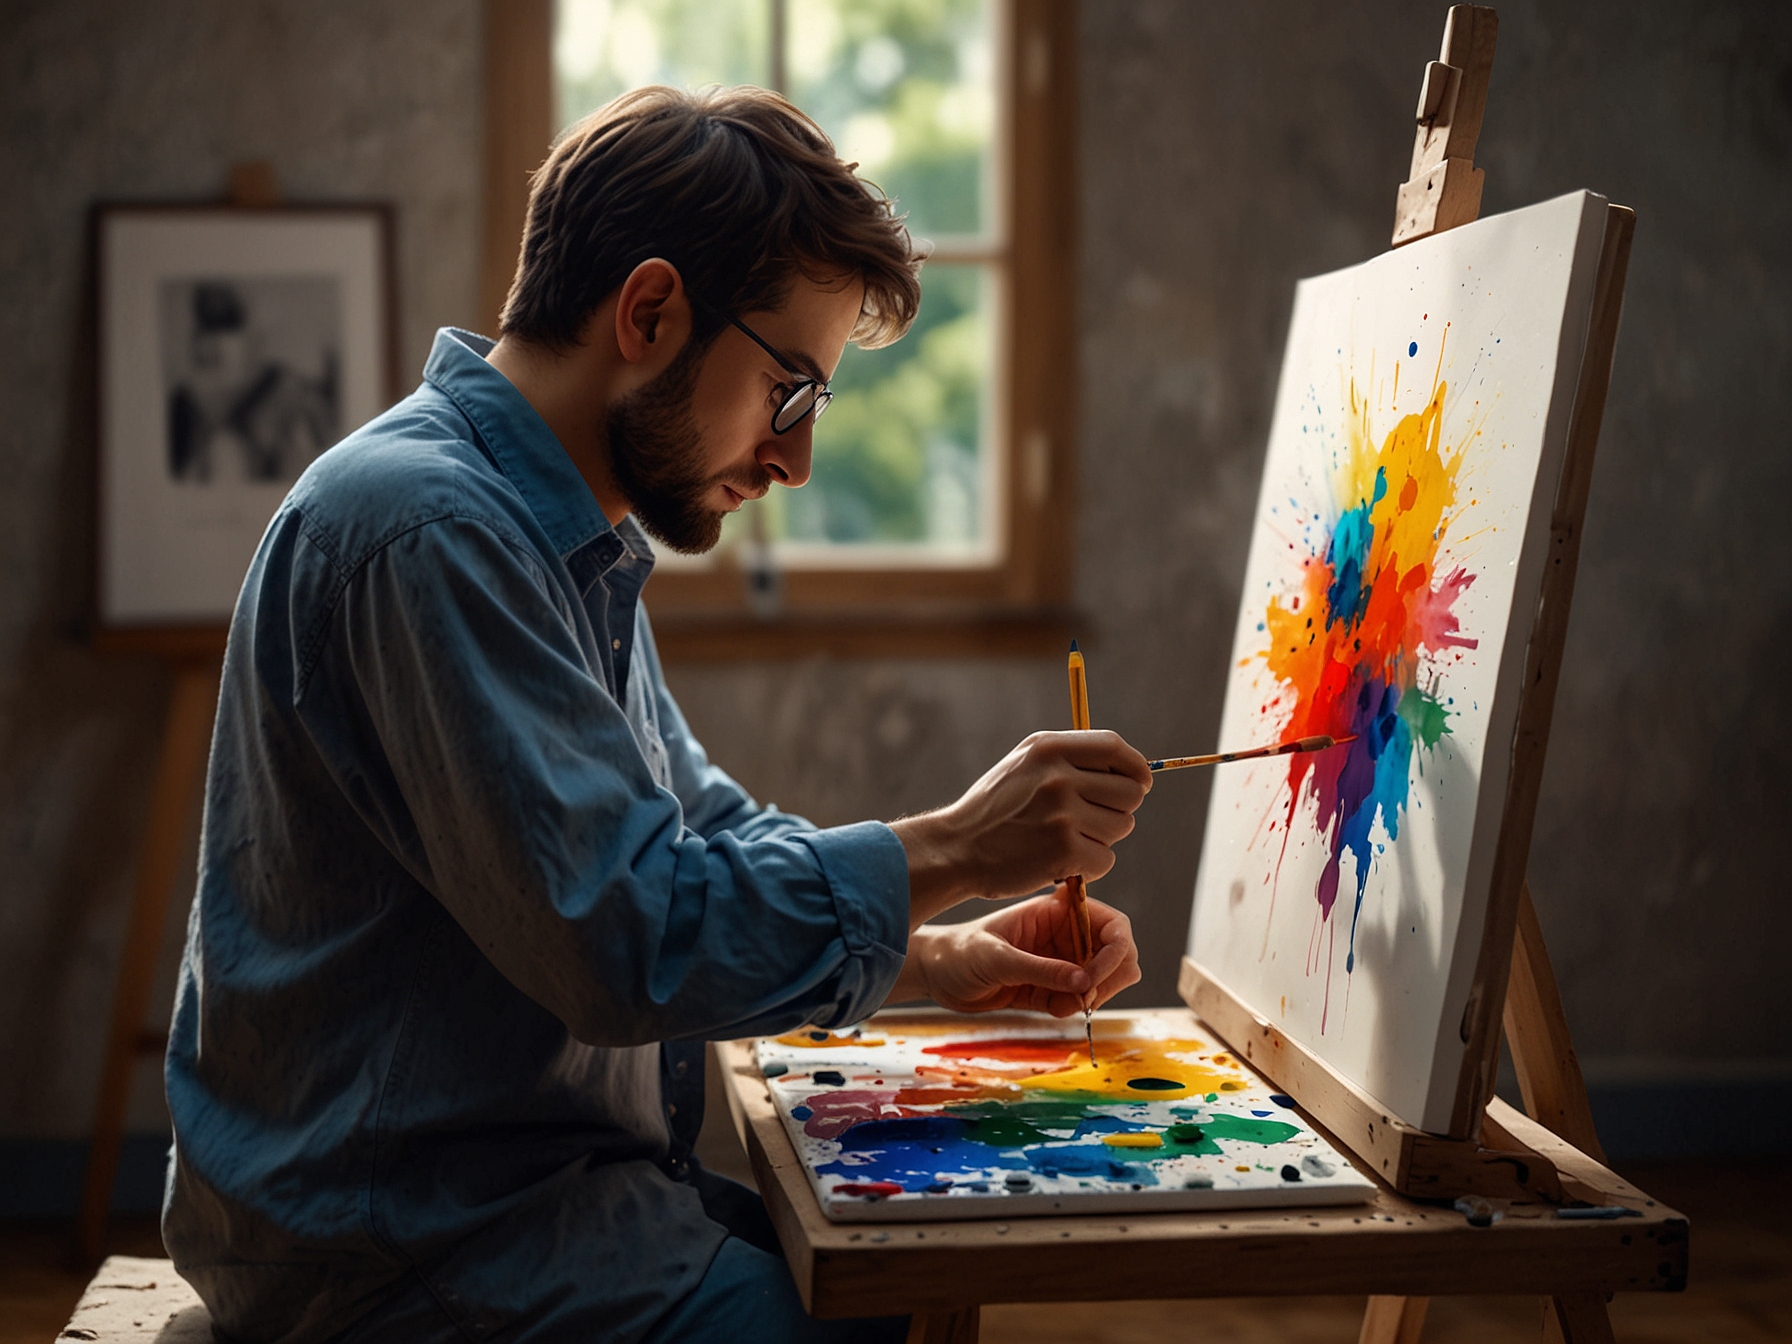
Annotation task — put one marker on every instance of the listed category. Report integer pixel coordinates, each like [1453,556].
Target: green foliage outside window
[904,88]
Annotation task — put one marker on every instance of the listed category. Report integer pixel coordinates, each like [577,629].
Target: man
[471,896]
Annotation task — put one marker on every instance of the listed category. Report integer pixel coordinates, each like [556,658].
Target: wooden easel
[1410,1243]
[194,656]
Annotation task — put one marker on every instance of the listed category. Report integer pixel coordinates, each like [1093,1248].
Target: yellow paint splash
[1168,1070]
[816,1039]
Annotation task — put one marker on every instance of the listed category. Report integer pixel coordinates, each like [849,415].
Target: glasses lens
[822,401]
[799,404]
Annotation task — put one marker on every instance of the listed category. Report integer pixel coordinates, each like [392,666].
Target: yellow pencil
[1082,936]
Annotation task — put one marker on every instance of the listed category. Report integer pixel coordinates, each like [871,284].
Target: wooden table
[943,1272]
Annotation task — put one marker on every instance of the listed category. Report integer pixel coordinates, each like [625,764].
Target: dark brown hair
[734,186]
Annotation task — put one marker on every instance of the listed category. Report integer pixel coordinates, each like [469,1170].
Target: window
[937,514]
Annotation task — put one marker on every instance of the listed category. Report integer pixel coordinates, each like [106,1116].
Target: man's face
[691,445]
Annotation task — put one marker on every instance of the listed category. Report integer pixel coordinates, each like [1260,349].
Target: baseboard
[1648,1109]
[41,1178]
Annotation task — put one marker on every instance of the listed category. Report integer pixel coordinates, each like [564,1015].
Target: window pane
[905,89]
[606,47]
[899,455]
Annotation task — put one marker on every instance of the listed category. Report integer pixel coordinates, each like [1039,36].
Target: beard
[658,458]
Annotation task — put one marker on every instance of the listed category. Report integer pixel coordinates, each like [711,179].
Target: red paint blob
[1011,1049]
[870,1189]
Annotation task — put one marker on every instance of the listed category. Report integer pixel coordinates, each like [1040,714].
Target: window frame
[1016,605]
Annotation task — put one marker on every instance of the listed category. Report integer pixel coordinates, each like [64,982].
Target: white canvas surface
[1445,370]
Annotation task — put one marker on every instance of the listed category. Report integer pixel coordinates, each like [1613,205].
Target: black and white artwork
[235,347]
[251,372]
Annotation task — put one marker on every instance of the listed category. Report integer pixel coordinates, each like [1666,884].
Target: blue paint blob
[1412,349]
[1286,1103]
[1089,1159]
[830,1078]
[800,1112]
[1348,556]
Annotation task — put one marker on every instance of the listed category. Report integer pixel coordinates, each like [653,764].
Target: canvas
[934,1116]
[1398,550]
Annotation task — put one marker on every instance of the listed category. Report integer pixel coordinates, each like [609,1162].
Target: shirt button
[671,1108]
[682,1067]
[616,644]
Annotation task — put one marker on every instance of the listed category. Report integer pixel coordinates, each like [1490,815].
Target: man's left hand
[1021,957]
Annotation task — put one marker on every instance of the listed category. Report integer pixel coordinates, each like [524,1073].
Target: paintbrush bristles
[1317,742]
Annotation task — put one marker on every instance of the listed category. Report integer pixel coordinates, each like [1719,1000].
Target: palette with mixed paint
[930,1115]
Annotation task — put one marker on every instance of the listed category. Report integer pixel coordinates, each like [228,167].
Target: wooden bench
[137,1301]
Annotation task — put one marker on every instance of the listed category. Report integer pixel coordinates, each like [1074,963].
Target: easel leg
[944,1327]
[1549,1075]
[1555,1095]
[185,741]
[1394,1320]
[1576,1318]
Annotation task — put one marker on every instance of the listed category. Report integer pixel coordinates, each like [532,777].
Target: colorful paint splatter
[921,1113]
[1355,648]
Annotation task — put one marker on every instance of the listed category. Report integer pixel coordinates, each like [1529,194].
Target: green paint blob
[1054,1114]
[1005,1131]
[1248,1130]
[1424,715]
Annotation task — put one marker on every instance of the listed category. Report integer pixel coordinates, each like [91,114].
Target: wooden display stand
[1411,1242]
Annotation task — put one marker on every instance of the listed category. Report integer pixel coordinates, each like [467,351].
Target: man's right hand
[1054,806]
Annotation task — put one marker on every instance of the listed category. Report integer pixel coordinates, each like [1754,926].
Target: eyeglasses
[807,396]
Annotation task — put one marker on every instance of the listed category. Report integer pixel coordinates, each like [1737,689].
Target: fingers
[1101,750]
[1116,792]
[1115,966]
[1009,965]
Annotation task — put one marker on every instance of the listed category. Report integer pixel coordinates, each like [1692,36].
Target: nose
[787,458]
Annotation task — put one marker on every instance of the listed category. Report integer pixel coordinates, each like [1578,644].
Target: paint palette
[929,1115]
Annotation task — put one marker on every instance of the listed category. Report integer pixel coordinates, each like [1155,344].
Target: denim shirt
[464,870]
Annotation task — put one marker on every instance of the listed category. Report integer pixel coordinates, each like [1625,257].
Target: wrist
[913,982]
[937,871]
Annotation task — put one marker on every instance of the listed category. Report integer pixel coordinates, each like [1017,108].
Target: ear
[653,315]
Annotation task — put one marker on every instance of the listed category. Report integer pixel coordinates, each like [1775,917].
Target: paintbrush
[1318,742]
[1073,885]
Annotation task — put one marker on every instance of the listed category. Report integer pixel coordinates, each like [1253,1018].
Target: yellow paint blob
[1133,1140]
[816,1039]
[1121,1064]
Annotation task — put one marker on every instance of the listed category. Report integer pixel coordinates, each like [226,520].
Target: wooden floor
[1741,1289]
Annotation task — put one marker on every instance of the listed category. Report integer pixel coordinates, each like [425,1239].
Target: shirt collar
[526,450]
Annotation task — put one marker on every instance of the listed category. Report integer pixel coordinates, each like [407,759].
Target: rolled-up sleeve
[452,702]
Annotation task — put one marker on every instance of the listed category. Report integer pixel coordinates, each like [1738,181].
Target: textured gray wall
[121,100]
[1227,151]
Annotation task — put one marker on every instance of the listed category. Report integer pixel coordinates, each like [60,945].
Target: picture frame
[235,344]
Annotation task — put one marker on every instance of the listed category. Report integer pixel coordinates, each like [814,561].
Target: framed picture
[235,345]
